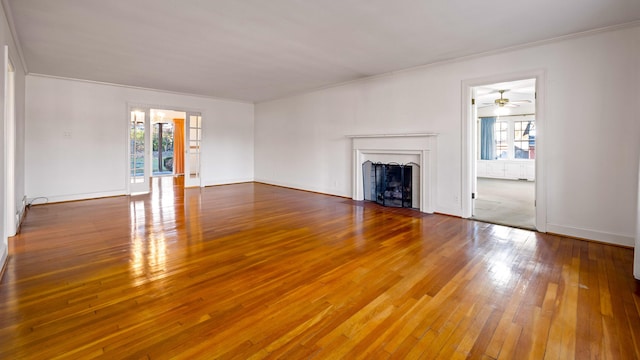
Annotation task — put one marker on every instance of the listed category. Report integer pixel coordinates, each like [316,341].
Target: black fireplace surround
[389,184]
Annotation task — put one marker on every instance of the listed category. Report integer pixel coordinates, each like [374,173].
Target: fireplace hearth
[389,184]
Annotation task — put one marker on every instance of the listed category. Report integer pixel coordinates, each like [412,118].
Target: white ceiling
[513,90]
[520,93]
[255,50]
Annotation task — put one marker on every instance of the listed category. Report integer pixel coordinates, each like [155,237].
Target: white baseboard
[226,181]
[448,211]
[611,238]
[321,190]
[439,209]
[4,255]
[636,262]
[21,212]
[606,237]
[74,197]
[588,234]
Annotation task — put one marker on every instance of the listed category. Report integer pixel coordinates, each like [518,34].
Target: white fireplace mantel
[392,135]
[401,148]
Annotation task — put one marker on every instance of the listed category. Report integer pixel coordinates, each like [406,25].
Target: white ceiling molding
[591,32]
[14,35]
[138,88]
[258,51]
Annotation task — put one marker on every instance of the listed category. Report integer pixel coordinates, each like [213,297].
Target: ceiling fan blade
[485,92]
[520,102]
[522,92]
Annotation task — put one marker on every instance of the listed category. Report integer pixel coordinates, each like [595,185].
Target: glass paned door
[192,151]
[138,154]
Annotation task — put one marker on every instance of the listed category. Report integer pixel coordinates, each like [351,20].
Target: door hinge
[473,195]
[473,101]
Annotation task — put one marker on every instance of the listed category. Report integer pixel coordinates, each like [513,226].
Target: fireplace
[389,184]
[417,151]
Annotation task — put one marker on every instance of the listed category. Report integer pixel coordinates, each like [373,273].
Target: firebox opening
[390,184]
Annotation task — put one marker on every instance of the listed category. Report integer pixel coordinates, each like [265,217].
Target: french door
[139,140]
[140,149]
[193,139]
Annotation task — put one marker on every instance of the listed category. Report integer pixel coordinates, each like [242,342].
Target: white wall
[592,129]
[92,161]
[18,174]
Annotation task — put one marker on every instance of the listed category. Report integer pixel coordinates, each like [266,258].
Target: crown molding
[377,136]
[581,34]
[139,88]
[8,14]
[627,25]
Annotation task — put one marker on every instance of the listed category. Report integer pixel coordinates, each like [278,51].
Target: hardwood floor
[253,271]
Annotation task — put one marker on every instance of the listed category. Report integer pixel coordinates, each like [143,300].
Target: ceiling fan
[504,102]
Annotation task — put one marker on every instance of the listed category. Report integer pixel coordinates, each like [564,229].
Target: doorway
[471,136]
[167,140]
[505,149]
[162,142]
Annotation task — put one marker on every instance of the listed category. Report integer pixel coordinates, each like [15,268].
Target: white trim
[467,166]
[421,145]
[301,187]
[11,223]
[82,196]
[188,180]
[147,144]
[4,256]
[390,135]
[8,14]
[606,29]
[636,252]
[227,181]
[127,154]
[528,45]
[139,88]
[165,107]
[612,238]
[148,108]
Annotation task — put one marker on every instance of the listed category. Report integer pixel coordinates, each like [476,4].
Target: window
[524,140]
[512,139]
[502,139]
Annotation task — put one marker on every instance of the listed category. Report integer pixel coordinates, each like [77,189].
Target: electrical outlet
[66,134]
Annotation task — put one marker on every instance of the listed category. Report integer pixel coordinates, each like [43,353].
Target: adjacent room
[505,139]
[329,180]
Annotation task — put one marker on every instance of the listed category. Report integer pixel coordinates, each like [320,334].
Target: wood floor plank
[254,271]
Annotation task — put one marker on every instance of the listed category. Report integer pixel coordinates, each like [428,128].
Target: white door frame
[188,180]
[473,108]
[468,151]
[145,186]
[147,108]
[10,146]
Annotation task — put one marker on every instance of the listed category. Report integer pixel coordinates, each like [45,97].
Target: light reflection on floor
[151,215]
